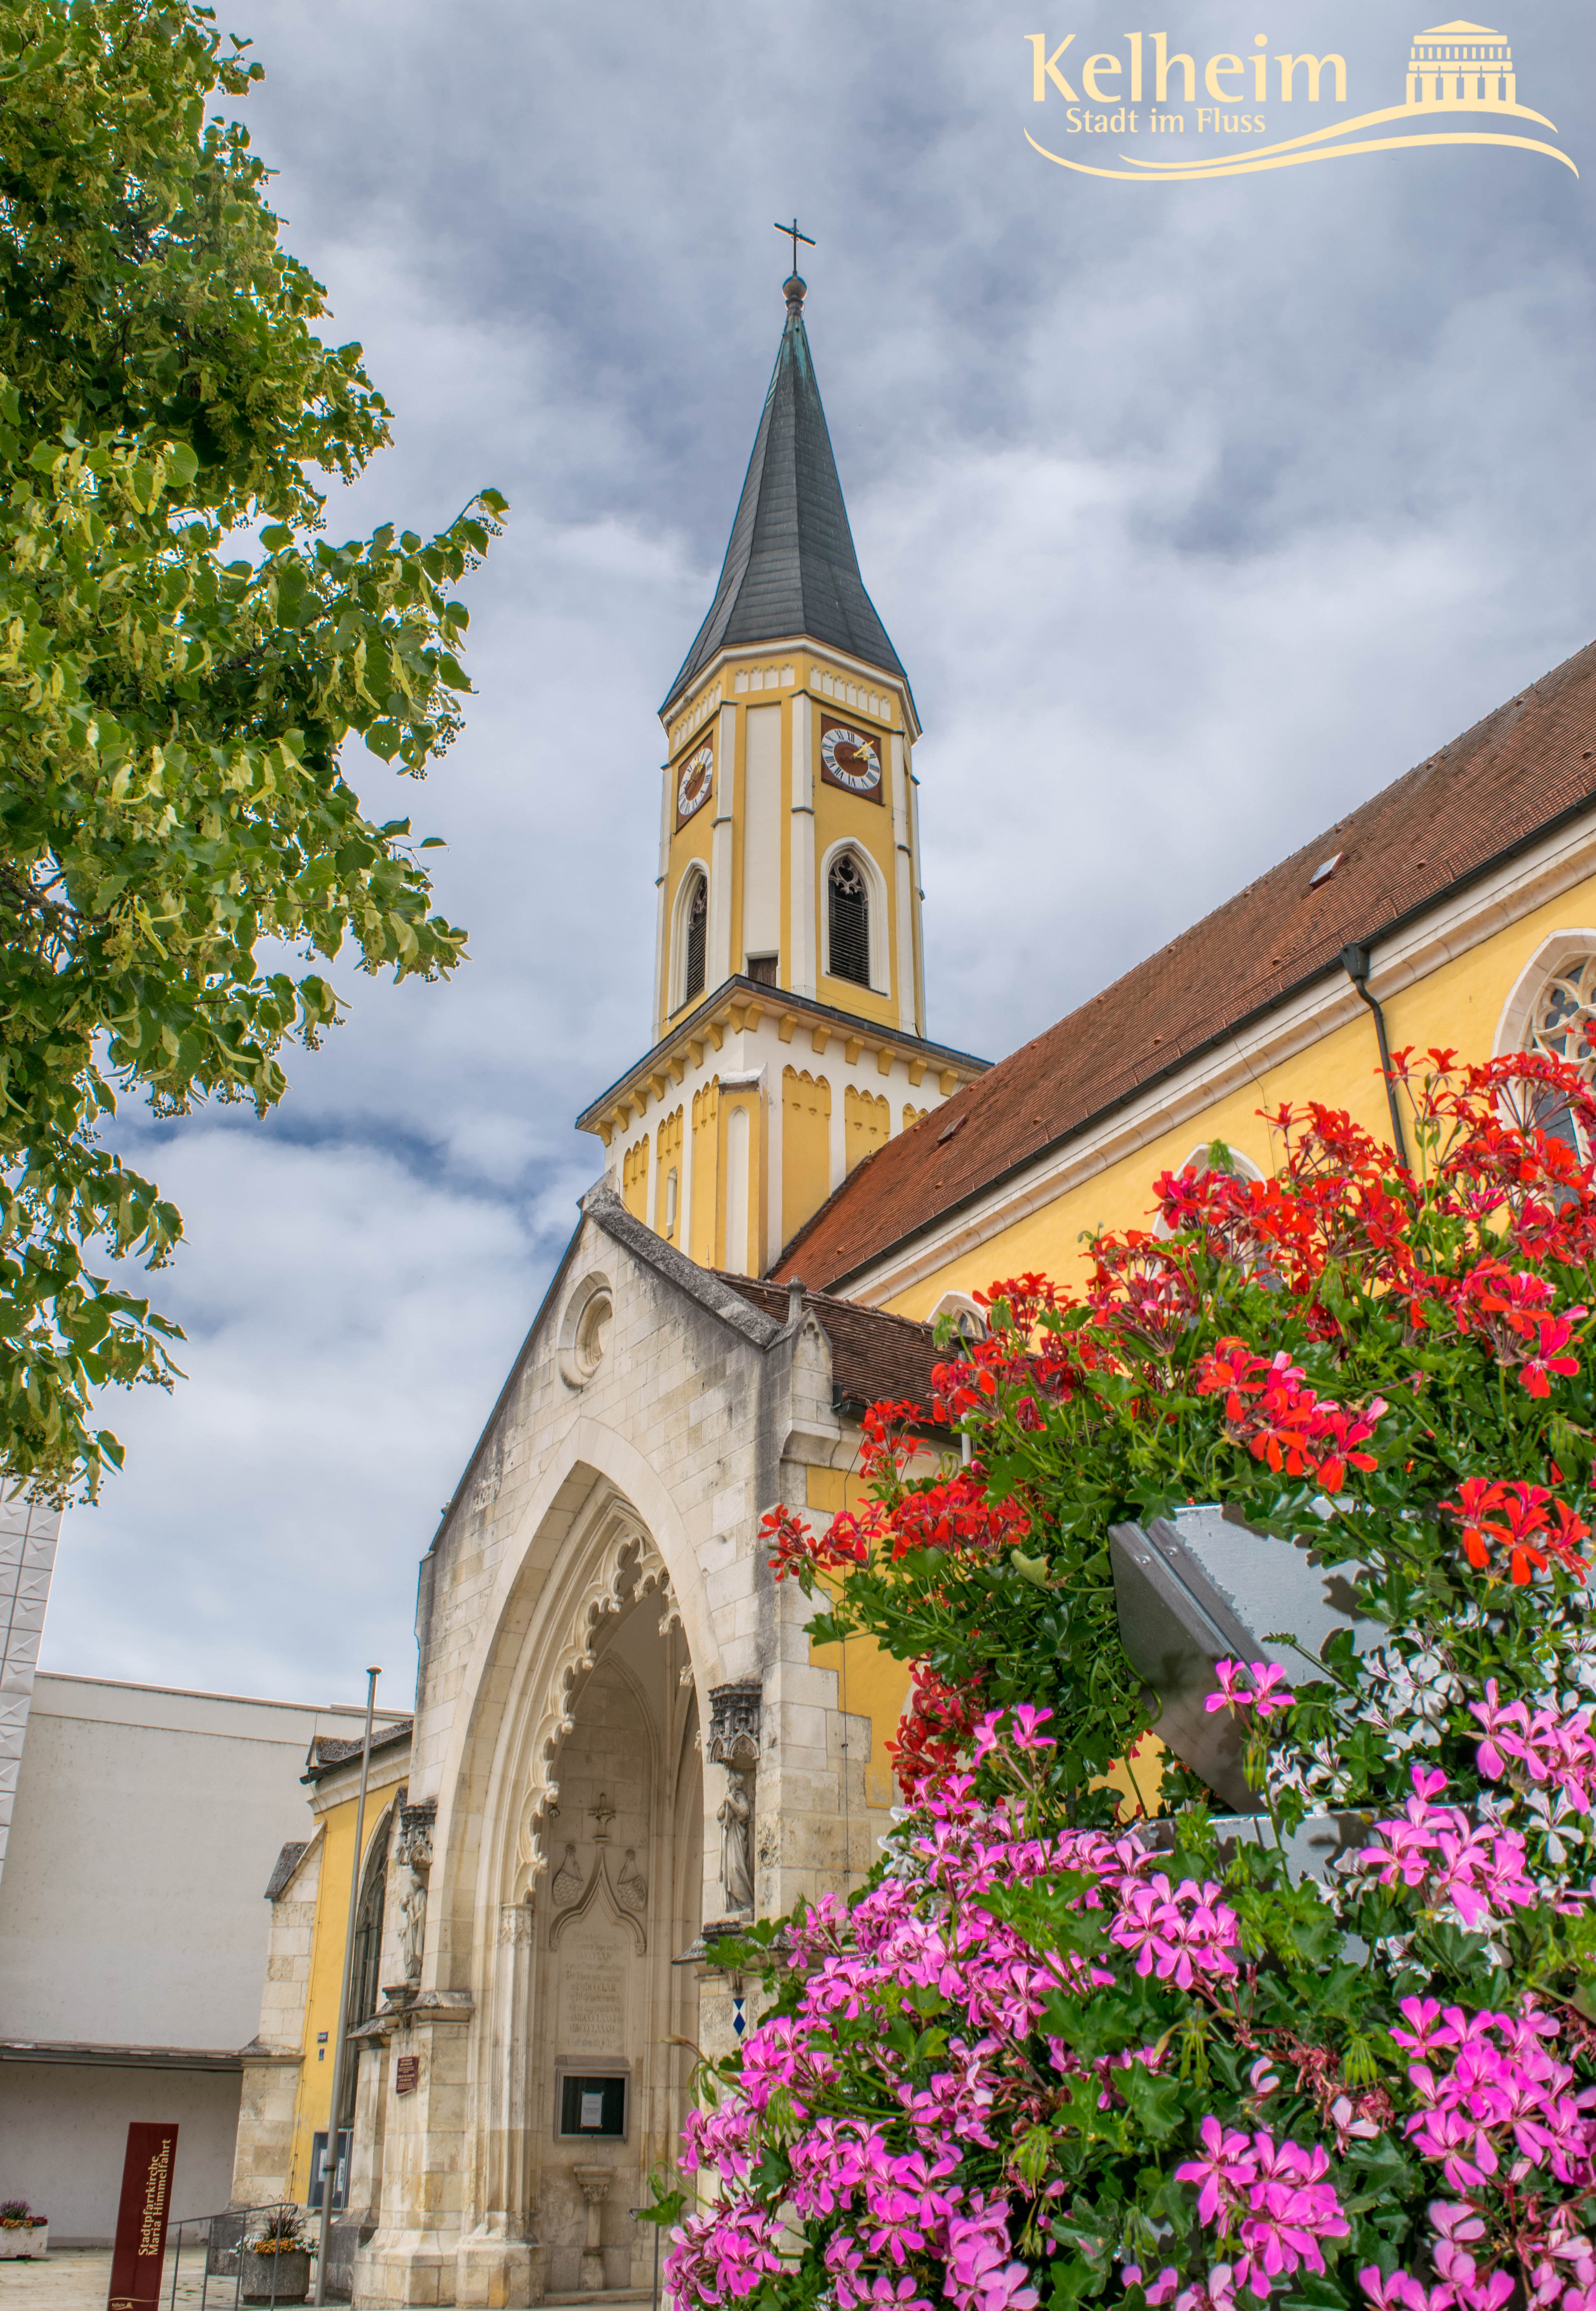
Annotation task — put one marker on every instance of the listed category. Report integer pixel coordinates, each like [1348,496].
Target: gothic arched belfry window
[847,903]
[698,914]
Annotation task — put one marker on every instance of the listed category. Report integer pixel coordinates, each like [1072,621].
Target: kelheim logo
[1457,69]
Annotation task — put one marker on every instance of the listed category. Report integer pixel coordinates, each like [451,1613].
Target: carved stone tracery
[630,1568]
[515,1924]
[734,1723]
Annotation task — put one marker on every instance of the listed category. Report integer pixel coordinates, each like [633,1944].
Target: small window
[316,2190]
[849,921]
[698,913]
[670,1201]
[593,2106]
[761,970]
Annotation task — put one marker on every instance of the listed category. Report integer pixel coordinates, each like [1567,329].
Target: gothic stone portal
[597,1602]
[622,1889]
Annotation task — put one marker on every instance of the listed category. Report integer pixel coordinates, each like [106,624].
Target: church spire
[789,1036]
[790,568]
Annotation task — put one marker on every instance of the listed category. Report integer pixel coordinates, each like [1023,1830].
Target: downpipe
[1355,962]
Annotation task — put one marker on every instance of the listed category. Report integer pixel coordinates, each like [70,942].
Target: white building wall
[133,1931]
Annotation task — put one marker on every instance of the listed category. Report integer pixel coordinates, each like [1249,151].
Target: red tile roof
[875,1357]
[1499,786]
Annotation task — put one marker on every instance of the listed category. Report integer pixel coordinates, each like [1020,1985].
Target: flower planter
[276,2278]
[24,2242]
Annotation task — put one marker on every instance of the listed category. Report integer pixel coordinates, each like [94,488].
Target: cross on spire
[795,236]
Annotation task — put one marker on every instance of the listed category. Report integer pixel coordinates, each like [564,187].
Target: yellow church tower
[789,973]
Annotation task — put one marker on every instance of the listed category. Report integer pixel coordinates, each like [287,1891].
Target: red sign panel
[141,2218]
[407,2074]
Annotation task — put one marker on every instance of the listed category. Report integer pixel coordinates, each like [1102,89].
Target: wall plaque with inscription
[593,1984]
[406,2074]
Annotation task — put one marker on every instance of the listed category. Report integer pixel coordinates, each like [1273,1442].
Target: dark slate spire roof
[790,567]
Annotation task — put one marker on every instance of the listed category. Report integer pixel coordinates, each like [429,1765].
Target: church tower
[789,974]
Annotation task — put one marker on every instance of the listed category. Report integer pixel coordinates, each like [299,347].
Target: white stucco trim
[959,1305]
[904,861]
[718,942]
[800,895]
[1553,954]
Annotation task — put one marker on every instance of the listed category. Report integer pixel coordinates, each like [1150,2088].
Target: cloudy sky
[1196,512]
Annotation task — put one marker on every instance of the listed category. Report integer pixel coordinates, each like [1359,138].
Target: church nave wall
[1445,984]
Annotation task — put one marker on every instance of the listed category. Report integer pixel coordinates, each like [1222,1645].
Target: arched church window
[698,916]
[1563,1026]
[968,1321]
[847,902]
[1211,1156]
[365,1988]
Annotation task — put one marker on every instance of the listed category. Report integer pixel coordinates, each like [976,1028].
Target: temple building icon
[1462,65]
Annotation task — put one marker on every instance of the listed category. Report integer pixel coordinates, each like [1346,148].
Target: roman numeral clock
[850,758]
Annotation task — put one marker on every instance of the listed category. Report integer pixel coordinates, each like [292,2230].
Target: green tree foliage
[171,704]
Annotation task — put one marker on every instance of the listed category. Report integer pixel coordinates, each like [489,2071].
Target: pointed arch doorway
[589,1837]
[620,1899]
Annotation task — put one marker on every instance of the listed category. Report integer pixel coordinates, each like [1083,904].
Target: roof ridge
[825,1299]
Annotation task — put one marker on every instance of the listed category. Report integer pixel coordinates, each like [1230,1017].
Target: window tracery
[1563,1026]
[698,916]
[969,1323]
[847,905]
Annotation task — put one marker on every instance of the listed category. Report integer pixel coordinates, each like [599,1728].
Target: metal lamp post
[329,2171]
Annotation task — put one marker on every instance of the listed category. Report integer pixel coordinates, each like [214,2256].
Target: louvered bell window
[849,905]
[698,912]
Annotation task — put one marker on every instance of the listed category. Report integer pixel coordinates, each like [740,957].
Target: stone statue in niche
[735,1817]
[416,1859]
[734,1743]
[412,1924]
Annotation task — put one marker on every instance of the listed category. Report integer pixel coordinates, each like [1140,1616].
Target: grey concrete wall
[64,2134]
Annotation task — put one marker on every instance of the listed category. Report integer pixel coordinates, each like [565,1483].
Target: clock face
[851,758]
[695,781]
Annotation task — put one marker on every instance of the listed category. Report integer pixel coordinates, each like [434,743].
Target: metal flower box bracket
[1205,1587]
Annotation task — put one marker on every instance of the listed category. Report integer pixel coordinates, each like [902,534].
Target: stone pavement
[78,2278]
